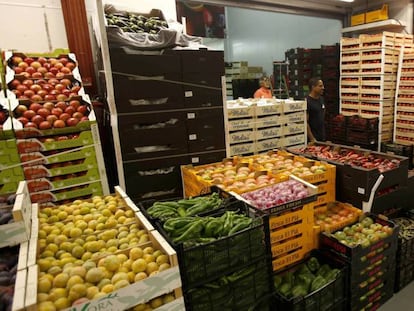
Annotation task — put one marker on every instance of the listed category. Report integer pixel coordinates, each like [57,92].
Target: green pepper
[324,270]
[213,227]
[175,223]
[305,280]
[313,264]
[299,291]
[289,278]
[192,232]
[332,275]
[197,208]
[240,226]
[303,270]
[317,283]
[277,281]
[285,289]
[181,211]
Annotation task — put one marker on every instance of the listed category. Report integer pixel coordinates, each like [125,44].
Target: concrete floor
[403,300]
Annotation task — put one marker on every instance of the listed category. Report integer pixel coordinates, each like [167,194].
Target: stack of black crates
[169,113]
[300,71]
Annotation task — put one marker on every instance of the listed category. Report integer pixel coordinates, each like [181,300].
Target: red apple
[42,70]
[59,124]
[47,87]
[84,118]
[47,66]
[64,116]
[52,61]
[35,106]
[23,120]
[72,122]
[70,110]
[22,88]
[49,75]
[18,70]
[28,60]
[60,87]
[35,88]
[57,111]
[42,60]
[28,93]
[61,104]
[23,65]
[31,124]
[43,112]
[17,93]
[29,114]
[37,75]
[42,93]
[16,60]
[74,103]
[44,125]
[65,70]
[60,75]
[30,70]
[71,66]
[66,92]
[36,64]
[82,109]
[50,97]
[14,83]
[54,70]
[20,109]
[58,65]
[37,119]
[63,60]
[61,97]
[75,89]
[41,81]
[28,82]
[53,81]
[54,92]
[36,98]
[49,105]
[66,82]
[77,115]
[51,118]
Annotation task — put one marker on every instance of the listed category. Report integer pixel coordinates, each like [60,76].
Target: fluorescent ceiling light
[347,0]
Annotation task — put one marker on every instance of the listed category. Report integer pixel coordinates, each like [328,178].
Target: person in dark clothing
[316,111]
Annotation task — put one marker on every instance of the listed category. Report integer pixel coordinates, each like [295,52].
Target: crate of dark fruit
[401,150]
[361,137]
[314,284]
[357,170]
[370,237]
[281,196]
[210,246]
[6,130]
[359,123]
[237,290]
[405,251]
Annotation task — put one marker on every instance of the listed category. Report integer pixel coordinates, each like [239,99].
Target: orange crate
[294,244]
[290,258]
[281,235]
[303,214]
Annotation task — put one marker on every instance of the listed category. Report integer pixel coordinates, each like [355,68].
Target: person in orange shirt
[265,90]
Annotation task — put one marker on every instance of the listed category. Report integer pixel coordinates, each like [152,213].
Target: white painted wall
[263,37]
[23,25]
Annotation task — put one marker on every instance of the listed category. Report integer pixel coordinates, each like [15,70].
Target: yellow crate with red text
[291,235]
[322,224]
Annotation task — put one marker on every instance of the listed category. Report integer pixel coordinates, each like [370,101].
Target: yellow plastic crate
[358,19]
[377,15]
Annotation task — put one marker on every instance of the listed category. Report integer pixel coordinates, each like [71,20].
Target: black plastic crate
[359,123]
[203,262]
[404,276]
[362,137]
[239,290]
[401,150]
[332,296]
[374,300]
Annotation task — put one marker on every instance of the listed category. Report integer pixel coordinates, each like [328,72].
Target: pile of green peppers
[185,207]
[200,230]
[309,277]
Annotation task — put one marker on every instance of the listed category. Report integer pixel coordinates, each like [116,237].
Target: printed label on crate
[268,144]
[294,140]
[288,246]
[293,129]
[283,261]
[294,117]
[240,112]
[240,124]
[268,132]
[291,106]
[268,109]
[239,137]
[241,149]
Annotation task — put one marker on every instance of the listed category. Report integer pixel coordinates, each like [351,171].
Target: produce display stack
[15,232]
[404,114]
[368,248]
[405,252]
[357,171]
[280,79]
[330,78]
[368,80]
[100,253]
[166,108]
[300,71]
[55,130]
[259,125]
[234,70]
[222,250]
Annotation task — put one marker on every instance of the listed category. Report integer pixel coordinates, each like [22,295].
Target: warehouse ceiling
[337,9]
